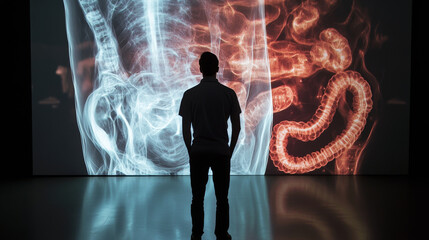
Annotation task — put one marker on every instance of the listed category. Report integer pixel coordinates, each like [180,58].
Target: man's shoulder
[230,91]
[226,88]
[191,90]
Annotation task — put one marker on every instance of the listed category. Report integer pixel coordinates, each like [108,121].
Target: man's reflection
[158,208]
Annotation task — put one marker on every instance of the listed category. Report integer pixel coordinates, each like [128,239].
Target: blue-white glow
[159,208]
[144,58]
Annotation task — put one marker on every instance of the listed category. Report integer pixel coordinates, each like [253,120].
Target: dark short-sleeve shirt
[209,105]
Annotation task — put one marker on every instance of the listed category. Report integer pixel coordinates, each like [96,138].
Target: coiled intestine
[282,98]
[308,131]
[332,52]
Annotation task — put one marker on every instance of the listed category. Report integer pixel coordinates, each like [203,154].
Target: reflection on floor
[261,208]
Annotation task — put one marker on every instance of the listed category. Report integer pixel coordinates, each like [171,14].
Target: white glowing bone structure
[309,131]
[145,59]
[107,55]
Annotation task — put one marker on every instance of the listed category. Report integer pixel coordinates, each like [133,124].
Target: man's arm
[186,131]
[235,122]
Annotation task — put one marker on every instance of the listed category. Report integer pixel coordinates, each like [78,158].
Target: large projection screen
[324,86]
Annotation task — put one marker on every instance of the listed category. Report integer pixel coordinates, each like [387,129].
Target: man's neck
[211,78]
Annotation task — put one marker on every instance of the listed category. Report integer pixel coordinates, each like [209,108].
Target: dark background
[22,127]
[57,148]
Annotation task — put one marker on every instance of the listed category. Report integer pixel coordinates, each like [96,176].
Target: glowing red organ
[308,131]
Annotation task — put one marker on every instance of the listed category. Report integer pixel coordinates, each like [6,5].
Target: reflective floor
[261,207]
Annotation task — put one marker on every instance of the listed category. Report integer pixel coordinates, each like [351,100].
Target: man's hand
[231,151]
[235,122]
[186,131]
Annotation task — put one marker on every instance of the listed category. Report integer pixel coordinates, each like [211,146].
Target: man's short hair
[209,64]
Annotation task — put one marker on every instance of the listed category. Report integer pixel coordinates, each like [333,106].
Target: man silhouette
[207,107]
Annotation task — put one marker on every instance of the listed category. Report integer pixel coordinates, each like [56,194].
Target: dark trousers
[220,165]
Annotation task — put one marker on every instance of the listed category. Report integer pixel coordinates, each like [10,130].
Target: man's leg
[221,174]
[199,169]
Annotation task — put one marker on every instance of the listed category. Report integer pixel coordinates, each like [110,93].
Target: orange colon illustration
[302,47]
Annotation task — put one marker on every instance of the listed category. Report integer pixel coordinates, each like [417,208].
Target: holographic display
[297,67]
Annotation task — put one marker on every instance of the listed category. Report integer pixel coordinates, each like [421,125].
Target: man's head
[209,64]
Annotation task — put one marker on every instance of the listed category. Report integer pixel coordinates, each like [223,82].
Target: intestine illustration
[299,75]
